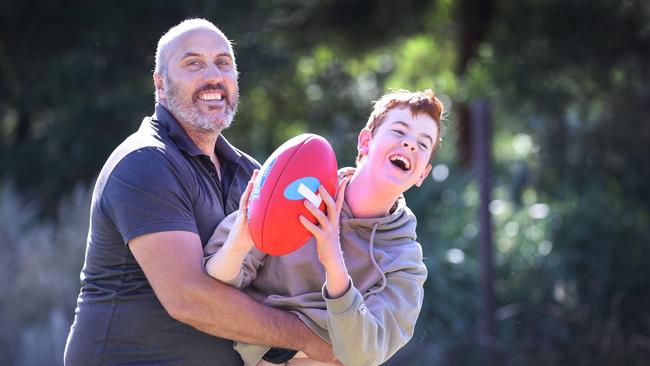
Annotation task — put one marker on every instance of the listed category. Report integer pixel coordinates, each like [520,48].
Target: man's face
[200,87]
[399,152]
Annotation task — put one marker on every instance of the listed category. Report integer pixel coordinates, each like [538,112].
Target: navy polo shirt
[156,180]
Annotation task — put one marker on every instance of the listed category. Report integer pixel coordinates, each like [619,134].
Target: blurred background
[563,277]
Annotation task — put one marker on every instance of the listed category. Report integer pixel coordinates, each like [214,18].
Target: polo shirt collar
[223,149]
[226,152]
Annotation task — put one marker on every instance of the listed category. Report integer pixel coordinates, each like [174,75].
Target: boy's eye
[399,132]
[423,145]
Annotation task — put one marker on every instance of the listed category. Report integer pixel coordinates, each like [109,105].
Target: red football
[290,175]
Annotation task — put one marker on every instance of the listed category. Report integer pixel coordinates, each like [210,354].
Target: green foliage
[572,282]
[40,265]
[568,86]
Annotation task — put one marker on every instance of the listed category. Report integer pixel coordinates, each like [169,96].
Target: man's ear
[424,175]
[363,142]
[159,83]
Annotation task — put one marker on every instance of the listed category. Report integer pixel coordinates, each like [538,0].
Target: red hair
[418,102]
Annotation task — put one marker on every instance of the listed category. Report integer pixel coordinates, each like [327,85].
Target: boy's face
[399,153]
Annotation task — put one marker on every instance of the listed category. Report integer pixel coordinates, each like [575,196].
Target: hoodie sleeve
[252,262]
[370,331]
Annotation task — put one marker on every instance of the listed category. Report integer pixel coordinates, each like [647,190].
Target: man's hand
[321,351]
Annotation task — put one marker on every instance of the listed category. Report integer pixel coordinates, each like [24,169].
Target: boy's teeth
[405,163]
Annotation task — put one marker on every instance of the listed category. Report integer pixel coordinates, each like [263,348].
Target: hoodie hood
[381,243]
[394,229]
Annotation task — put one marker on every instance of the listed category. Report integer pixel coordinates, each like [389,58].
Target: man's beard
[183,108]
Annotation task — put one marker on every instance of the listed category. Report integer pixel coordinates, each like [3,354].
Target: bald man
[145,297]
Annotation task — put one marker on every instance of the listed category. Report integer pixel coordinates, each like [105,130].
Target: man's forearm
[226,312]
[172,263]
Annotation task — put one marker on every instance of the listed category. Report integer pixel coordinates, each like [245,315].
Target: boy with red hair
[366,294]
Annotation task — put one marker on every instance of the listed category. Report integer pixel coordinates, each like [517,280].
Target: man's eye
[194,63]
[223,63]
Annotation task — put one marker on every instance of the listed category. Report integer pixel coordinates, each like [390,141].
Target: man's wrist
[303,337]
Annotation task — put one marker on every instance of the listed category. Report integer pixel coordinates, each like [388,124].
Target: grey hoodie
[375,317]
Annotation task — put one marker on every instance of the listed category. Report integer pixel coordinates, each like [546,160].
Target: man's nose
[213,74]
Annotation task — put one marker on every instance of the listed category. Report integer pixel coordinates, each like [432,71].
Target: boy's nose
[408,145]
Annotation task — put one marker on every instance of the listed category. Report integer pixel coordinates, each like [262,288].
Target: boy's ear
[424,175]
[364,141]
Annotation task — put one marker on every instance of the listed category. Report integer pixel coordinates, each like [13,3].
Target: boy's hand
[239,237]
[327,239]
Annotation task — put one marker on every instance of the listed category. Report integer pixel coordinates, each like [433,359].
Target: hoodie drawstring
[374,262]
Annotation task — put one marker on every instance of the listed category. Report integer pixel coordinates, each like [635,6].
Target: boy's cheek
[423,175]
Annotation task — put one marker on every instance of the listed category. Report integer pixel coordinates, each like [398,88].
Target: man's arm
[172,262]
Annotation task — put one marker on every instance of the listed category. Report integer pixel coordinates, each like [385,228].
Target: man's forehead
[199,41]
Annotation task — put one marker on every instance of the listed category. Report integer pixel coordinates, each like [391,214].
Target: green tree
[567,82]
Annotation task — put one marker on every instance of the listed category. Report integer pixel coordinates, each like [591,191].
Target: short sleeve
[147,192]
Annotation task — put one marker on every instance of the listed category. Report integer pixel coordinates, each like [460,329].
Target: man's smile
[207,96]
[211,94]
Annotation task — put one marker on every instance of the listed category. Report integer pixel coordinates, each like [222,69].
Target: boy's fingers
[313,229]
[256,172]
[344,172]
[327,198]
[329,203]
[249,187]
[318,214]
[340,194]
[246,194]
[243,201]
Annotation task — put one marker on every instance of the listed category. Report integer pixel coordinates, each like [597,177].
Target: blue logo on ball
[259,183]
[291,192]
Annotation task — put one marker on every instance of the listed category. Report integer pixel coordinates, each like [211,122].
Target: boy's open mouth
[400,162]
